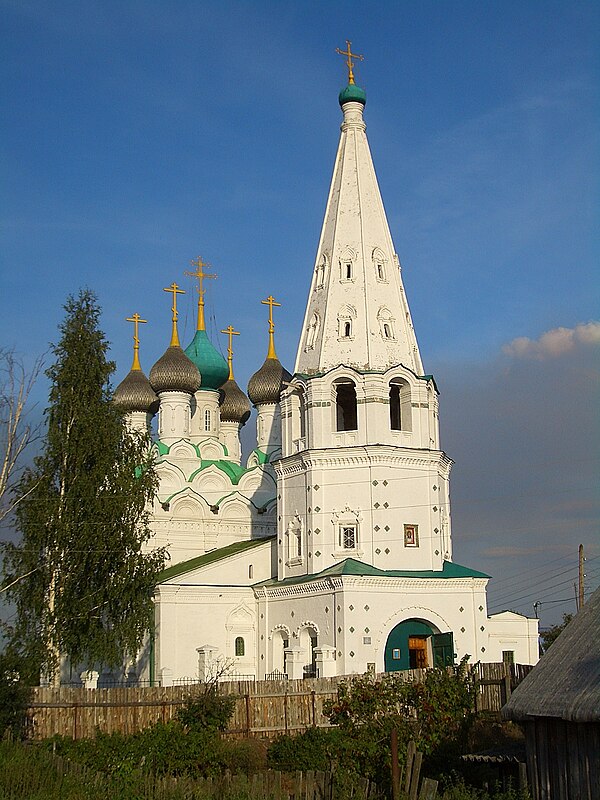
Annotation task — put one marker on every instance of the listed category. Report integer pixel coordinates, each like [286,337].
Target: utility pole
[581,577]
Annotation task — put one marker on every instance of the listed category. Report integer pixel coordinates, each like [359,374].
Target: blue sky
[139,135]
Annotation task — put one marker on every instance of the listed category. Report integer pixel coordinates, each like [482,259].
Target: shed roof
[183,567]
[565,683]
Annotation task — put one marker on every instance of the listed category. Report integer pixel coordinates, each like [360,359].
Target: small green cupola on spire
[211,364]
[351,93]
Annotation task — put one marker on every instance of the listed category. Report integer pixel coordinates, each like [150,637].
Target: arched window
[400,405]
[379,264]
[386,323]
[321,272]
[345,317]
[207,419]
[313,329]
[346,407]
[240,646]
[395,408]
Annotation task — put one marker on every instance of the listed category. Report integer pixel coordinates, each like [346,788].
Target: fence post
[248,714]
[395,765]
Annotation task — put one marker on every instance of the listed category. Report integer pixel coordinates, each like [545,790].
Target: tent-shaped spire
[357,313]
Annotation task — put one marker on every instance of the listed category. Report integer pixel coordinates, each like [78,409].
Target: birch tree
[81,578]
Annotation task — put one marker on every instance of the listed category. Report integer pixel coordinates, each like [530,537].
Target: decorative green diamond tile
[387,551]
[481,608]
[262,636]
[327,609]
[461,609]
[262,616]
[376,505]
[262,658]
[317,531]
[351,653]
[292,614]
[351,608]
[482,628]
[437,552]
[367,630]
[435,508]
[386,505]
[387,529]
[318,554]
[375,483]
[385,483]
[483,649]
[366,608]
[378,551]
[279,497]
[434,488]
[309,554]
[339,608]
[376,528]
[316,487]
[340,653]
[339,631]
[351,629]
[436,530]
[317,509]
[309,509]
[462,630]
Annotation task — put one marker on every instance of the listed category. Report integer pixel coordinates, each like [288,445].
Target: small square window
[396,653]
[508,656]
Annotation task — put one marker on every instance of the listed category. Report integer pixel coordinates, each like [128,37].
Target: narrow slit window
[348,270]
[380,272]
[387,332]
[347,329]
[207,419]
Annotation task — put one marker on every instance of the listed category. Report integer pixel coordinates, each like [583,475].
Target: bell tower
[362,475]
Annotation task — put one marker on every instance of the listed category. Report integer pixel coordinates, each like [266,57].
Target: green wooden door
[443,649]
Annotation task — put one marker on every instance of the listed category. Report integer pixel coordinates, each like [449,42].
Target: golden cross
[270,301]
[230,333]
[349,56]
[174,290]
[136,319]
[201,275]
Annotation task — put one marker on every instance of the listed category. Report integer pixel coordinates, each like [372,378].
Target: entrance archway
[414,644]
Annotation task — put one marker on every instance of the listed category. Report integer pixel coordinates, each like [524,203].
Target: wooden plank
[416,774]
[428,789]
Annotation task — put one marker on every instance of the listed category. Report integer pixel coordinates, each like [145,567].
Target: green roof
[350,566]
[209,558]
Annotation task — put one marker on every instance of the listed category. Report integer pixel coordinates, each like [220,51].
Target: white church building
[329,552]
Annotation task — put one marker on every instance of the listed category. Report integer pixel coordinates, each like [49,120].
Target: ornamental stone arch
[188,506]
[211,450]
[347,264]
[211,479]
[387,324]
[182,449]
[171,478]
[235,508]
[279,642]
[307,634]
[321,270]
[380,265]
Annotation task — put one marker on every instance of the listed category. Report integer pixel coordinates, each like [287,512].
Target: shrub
[207,711]
[14,695]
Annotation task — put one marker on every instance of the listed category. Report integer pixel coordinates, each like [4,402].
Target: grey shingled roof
[565,683]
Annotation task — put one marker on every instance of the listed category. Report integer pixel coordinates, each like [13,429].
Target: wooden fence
[263,708]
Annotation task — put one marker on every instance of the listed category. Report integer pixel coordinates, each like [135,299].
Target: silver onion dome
[265,386]
[234,403]
[174,372]
[134,393]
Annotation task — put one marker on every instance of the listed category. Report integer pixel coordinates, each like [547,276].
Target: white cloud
[554,343]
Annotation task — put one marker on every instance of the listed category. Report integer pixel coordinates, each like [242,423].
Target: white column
[325,661]
[230,438]
[295,658]
[173,416]
[206,421]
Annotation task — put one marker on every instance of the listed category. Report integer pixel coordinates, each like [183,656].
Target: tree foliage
[17,431]
[549,636]
[81,584]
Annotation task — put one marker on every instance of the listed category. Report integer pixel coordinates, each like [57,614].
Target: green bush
[207,711]
[14,695]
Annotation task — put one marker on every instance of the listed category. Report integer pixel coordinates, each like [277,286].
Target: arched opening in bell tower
[346,406]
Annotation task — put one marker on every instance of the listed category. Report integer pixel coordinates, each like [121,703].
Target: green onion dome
[265,386]
[234,403]
[134,393]
[211,364]
[174,372]
[352,94]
